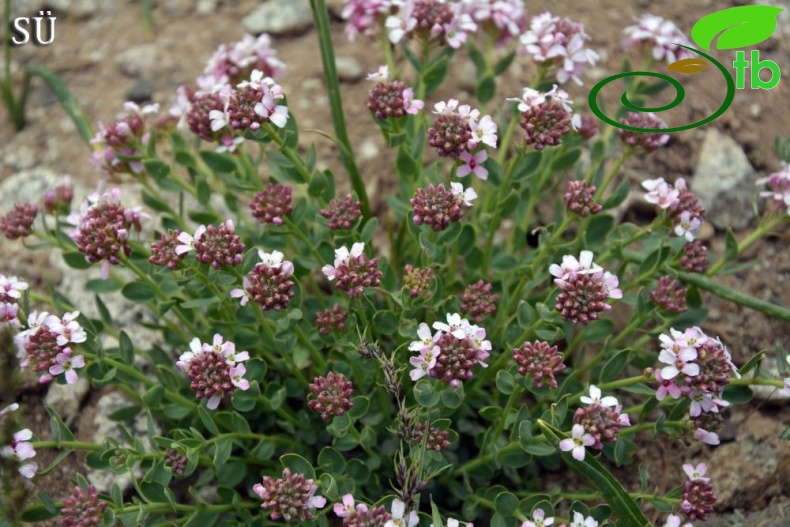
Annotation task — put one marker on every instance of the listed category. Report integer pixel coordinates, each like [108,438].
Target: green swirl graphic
[680,94]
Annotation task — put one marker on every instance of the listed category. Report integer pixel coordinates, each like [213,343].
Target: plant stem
[67,445]
[614,170]
[756,235]
[321,18]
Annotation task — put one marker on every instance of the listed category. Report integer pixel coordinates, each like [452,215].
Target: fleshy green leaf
[627,510]
[737,27]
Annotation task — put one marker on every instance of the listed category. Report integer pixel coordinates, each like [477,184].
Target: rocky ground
[103,54]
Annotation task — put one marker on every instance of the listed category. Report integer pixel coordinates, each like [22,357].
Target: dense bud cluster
[331,395]
[540,361]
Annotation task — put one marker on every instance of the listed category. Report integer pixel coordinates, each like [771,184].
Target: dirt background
[88,52]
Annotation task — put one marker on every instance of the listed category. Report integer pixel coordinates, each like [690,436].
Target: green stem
[317,358]
[67,445]
[497,215]
[756,235]
[321,18]
[613,171]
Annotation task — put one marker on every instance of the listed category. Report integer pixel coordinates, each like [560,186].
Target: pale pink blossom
[342,256]
[711,438]
[595,398]
[237,377]
[577,442]
[473,164]
[674,521]
[538,519]
[424,362]
[381,75]
[579,520]
[466,195]
[696,473]
[66,364]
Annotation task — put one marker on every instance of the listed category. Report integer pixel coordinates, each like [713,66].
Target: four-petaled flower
[577,442]
[65,363]
[473,164]
[398,511]
[538,519]
[595,397]
[696,472]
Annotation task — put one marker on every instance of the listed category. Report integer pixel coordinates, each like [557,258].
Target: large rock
[724,180]
[279,17]
[348,69]
[66,399]
[755,468]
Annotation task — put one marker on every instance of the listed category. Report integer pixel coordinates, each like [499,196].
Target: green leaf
[126,348]
[369,229]
[566,160]
[60,432]
[200,302]
[332,461]
[504,63]
[654,260]
[69,102]
[138,292]
[731,252]
[614,366]
[737,394]
[76,260]
[754,361]
[425,394]
[434,75]
[436,518]
[598,229]
[509,204]
[218,163]
[486,89]
[156,169]
[298,465]
[506,503]
[386,322]
[618,196]
[627,510]
[109,285]
[207,421]
[405,164]
[452,397]
[738,27]
[505,382]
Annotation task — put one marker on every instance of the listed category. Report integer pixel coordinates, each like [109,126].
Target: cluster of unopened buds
[451,352]
[218,246]
[359,514]
[584,288]
[430,19]
[215,369]
[291,497]
[698,368]
[18,222]
[45,347]
[391,98]
[681,205]
[458,131]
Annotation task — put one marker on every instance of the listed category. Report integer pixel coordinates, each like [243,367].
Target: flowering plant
[319,362]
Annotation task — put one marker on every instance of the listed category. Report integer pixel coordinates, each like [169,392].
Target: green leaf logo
[739,27]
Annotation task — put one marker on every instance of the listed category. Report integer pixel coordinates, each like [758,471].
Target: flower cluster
[698,497]
[417,281]
[430,19]
[18,222]
[163,252]
[539,360]
[545,117]
[342,213]
[504,19]
[779,189]
[584,288]
[269,283]
[233,63]
[20,450]
[559,43]
[331,395]
[59,198]
[459,129]
[353,271]
[698,368]
[593,425]
[644,140]
[289,497]
[102,227]
[365,16]
[658,37]
[682,206]
[580,199]
[391,98]
[118,146]
[451,352]
[272,203]
[218,246]
[695,257]
[669,295]
[215,369]
[11,289]
[176,461]
[438,207]
[477,301]
[82,509]
[45,346]
[330,320]
[435,438]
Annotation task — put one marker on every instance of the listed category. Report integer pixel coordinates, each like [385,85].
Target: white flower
[595,397]
[382,75]
[467,196]
[485,131]
[196,348]
[188,241]
[398,510]
[577,442]
[456,326]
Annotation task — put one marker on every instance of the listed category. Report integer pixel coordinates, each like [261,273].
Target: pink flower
[696,473]
[576,443]
[580,521]
[666,386]
[679,359]
[347,507]
[473,164]
[467,196]
[65,363]
[687,225]
[538,519]
[401,23]
[657,36]
[711,438]
[674,521]
[69,330]
[427,338]
[786,390]
[382,75]
[411,105]
[424,363]
[237,377]
[660,193]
